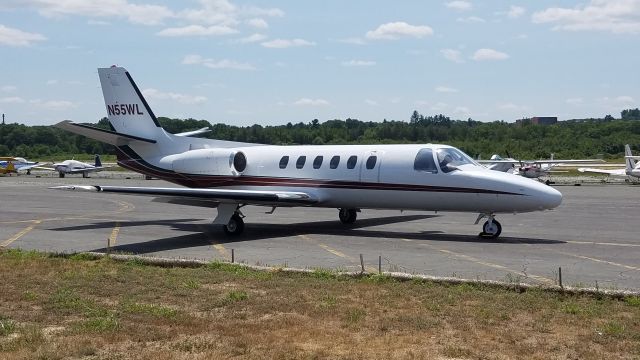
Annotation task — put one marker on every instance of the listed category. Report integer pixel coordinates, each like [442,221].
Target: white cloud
[56,105]
[258,23]
[252,38]
[12,100]
[515,12]
[616,16]
[284,43]
[181,98]
[371,102]
[512,107]
[52,82]
[575,101]
[394,30]
[439,106]
[445,89]
[14,37]
[352,40]
[144,14]
[311,102]
[625,99]
[489,54]
[8,88]
[459,5]
[97,22]
[198,30]
[358,63]
[452,55]
[462,110]
[471,19]
[216,64]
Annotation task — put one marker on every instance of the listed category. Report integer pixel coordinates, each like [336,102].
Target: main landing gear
[491,228]
[348,216]
[235,226]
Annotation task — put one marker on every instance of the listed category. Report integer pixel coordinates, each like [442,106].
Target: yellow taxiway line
[538,278]
[337,253]
[20,234]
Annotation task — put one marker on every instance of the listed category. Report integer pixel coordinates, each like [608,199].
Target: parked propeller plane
[76,167]
[9,164]
[532,169]
[230,175]
[631,170]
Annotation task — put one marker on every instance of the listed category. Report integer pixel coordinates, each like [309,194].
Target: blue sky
[273,62]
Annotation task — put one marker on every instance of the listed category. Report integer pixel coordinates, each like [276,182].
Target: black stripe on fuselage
[129,159]
[144,102]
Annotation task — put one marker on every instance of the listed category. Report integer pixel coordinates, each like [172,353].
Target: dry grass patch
[105,309]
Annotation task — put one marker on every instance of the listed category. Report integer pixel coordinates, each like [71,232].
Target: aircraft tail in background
[628,159]
[97,162]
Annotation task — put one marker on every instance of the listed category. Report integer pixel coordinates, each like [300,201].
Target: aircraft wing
[254,197]
[619,172]
[87,170]
[572,161]
[194,132]
[7,158]
[26,167]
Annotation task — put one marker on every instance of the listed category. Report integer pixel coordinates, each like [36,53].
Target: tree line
[580,138]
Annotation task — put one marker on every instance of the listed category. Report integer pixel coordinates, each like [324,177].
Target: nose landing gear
[491,228]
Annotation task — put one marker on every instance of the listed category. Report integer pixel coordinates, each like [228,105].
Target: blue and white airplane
[9,164]
[230,175]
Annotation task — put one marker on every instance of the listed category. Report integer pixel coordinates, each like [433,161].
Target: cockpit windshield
[450,158]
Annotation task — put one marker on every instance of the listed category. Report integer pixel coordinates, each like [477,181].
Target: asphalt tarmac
[592,236]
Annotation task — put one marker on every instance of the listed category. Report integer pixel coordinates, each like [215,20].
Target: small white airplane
[76,167]
[631,170]
[532,169]
[10,164]
[230,175]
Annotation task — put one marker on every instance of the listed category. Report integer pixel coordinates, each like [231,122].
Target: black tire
[29,172]
[61,175]
[491,231]
[347,216]
[235,226]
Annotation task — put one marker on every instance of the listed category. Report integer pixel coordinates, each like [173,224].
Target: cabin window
[371,162]
[335,161]
[424,161]
[300,162]
[317,162]
[284,161]
[351,162]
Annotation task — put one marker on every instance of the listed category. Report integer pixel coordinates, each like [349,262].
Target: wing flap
[219,195]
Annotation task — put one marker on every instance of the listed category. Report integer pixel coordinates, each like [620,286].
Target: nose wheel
[491,228]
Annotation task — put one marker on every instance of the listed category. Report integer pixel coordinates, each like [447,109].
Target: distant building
[544,120]
[538,120]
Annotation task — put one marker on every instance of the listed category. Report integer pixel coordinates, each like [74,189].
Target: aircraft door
[370,166]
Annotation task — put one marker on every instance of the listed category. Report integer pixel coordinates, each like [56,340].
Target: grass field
[76,307]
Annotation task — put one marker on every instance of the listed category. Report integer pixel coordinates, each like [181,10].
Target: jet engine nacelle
[207,162]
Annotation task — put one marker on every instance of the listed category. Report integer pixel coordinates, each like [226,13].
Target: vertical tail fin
[129,113]
[98,163]
[631,163]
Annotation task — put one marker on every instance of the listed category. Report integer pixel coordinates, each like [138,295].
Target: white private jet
[631,170]
[229,175]
[76,167]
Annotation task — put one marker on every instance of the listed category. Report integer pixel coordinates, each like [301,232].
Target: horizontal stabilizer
[221,195]
[106,136]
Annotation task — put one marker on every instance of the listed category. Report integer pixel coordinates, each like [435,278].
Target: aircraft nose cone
[550,198]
